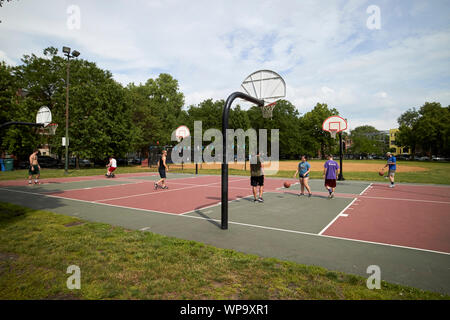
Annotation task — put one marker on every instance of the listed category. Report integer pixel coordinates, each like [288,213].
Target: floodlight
[66,50]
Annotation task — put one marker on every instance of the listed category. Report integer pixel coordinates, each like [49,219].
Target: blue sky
[323,49]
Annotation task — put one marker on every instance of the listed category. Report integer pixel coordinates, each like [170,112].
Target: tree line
[106,117]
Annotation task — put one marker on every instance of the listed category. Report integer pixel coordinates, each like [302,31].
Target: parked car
[122,162]
[48,162]
[134,161]
[83,163]
[424,158]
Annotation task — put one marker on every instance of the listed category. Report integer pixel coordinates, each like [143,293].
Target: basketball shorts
[34,171]
[330,183]
[162,173]
[257,181]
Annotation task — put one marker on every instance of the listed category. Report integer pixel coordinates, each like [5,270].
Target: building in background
[393,145]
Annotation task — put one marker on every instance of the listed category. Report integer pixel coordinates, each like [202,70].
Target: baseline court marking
[239,223]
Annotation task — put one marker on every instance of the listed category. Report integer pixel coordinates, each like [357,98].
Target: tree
[166,101]
[17,140]
[367,140]
[426,129]
[2,3]
[406,135]
[313,139]
[99,118]
[285,117]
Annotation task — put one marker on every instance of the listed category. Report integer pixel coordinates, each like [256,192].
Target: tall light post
[69,56]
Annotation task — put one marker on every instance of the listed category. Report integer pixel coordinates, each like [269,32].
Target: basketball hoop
[333,133]
[48,130]
[44,116]
[334,124]
[267,110]
[266,85]
[182,132]
[52,128]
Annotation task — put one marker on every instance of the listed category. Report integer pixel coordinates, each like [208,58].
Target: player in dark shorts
[35,168]
[257,178]
[330,172]
[303,170]
[162,169]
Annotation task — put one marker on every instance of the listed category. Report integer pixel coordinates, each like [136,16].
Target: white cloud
[323,49]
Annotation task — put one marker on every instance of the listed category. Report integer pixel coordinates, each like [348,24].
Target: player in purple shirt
[330,172]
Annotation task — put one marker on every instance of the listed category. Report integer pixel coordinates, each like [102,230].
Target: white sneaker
[391,186]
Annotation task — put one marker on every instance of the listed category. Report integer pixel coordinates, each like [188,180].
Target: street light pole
[74,54]
[66,142]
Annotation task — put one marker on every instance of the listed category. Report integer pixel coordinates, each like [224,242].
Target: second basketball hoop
[334,124]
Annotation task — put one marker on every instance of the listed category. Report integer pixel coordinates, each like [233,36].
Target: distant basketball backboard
[44,116]
[182,132]
[334,124]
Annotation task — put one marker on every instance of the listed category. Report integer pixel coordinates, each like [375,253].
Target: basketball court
[403,230]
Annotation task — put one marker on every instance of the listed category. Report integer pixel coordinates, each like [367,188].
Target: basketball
[286,184]
[381,173]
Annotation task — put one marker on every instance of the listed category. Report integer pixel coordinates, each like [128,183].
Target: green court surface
[285,226]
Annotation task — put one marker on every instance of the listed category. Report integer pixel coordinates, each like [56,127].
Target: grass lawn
[435,173]
[36,247]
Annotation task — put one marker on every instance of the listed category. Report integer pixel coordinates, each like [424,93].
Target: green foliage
[106,118]
[313,138]
[426,130]
[368,140]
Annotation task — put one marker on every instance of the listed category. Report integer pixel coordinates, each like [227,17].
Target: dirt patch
[8,256]
[315,166]
[63,296]
[72,224]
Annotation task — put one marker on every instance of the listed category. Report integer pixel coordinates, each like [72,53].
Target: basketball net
[48,130]
[267,110]
[333,133]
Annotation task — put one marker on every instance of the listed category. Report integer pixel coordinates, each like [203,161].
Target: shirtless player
[34,168]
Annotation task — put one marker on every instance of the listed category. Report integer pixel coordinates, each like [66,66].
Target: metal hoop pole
[225,115]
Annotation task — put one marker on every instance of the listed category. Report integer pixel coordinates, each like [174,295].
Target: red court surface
[10,183]
[410,216]
[184,194]
[413,216]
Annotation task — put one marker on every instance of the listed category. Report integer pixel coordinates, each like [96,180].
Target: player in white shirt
[112,165]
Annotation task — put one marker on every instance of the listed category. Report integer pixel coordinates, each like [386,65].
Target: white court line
[359,197]
[365,189]
[400,199]
[335,218]
[239,223]
[215,205]
[90,202]
[96,187]
[166,191]
[211,185]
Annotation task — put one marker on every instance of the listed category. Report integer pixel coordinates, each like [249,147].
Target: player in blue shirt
[303,170]
[392,164]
